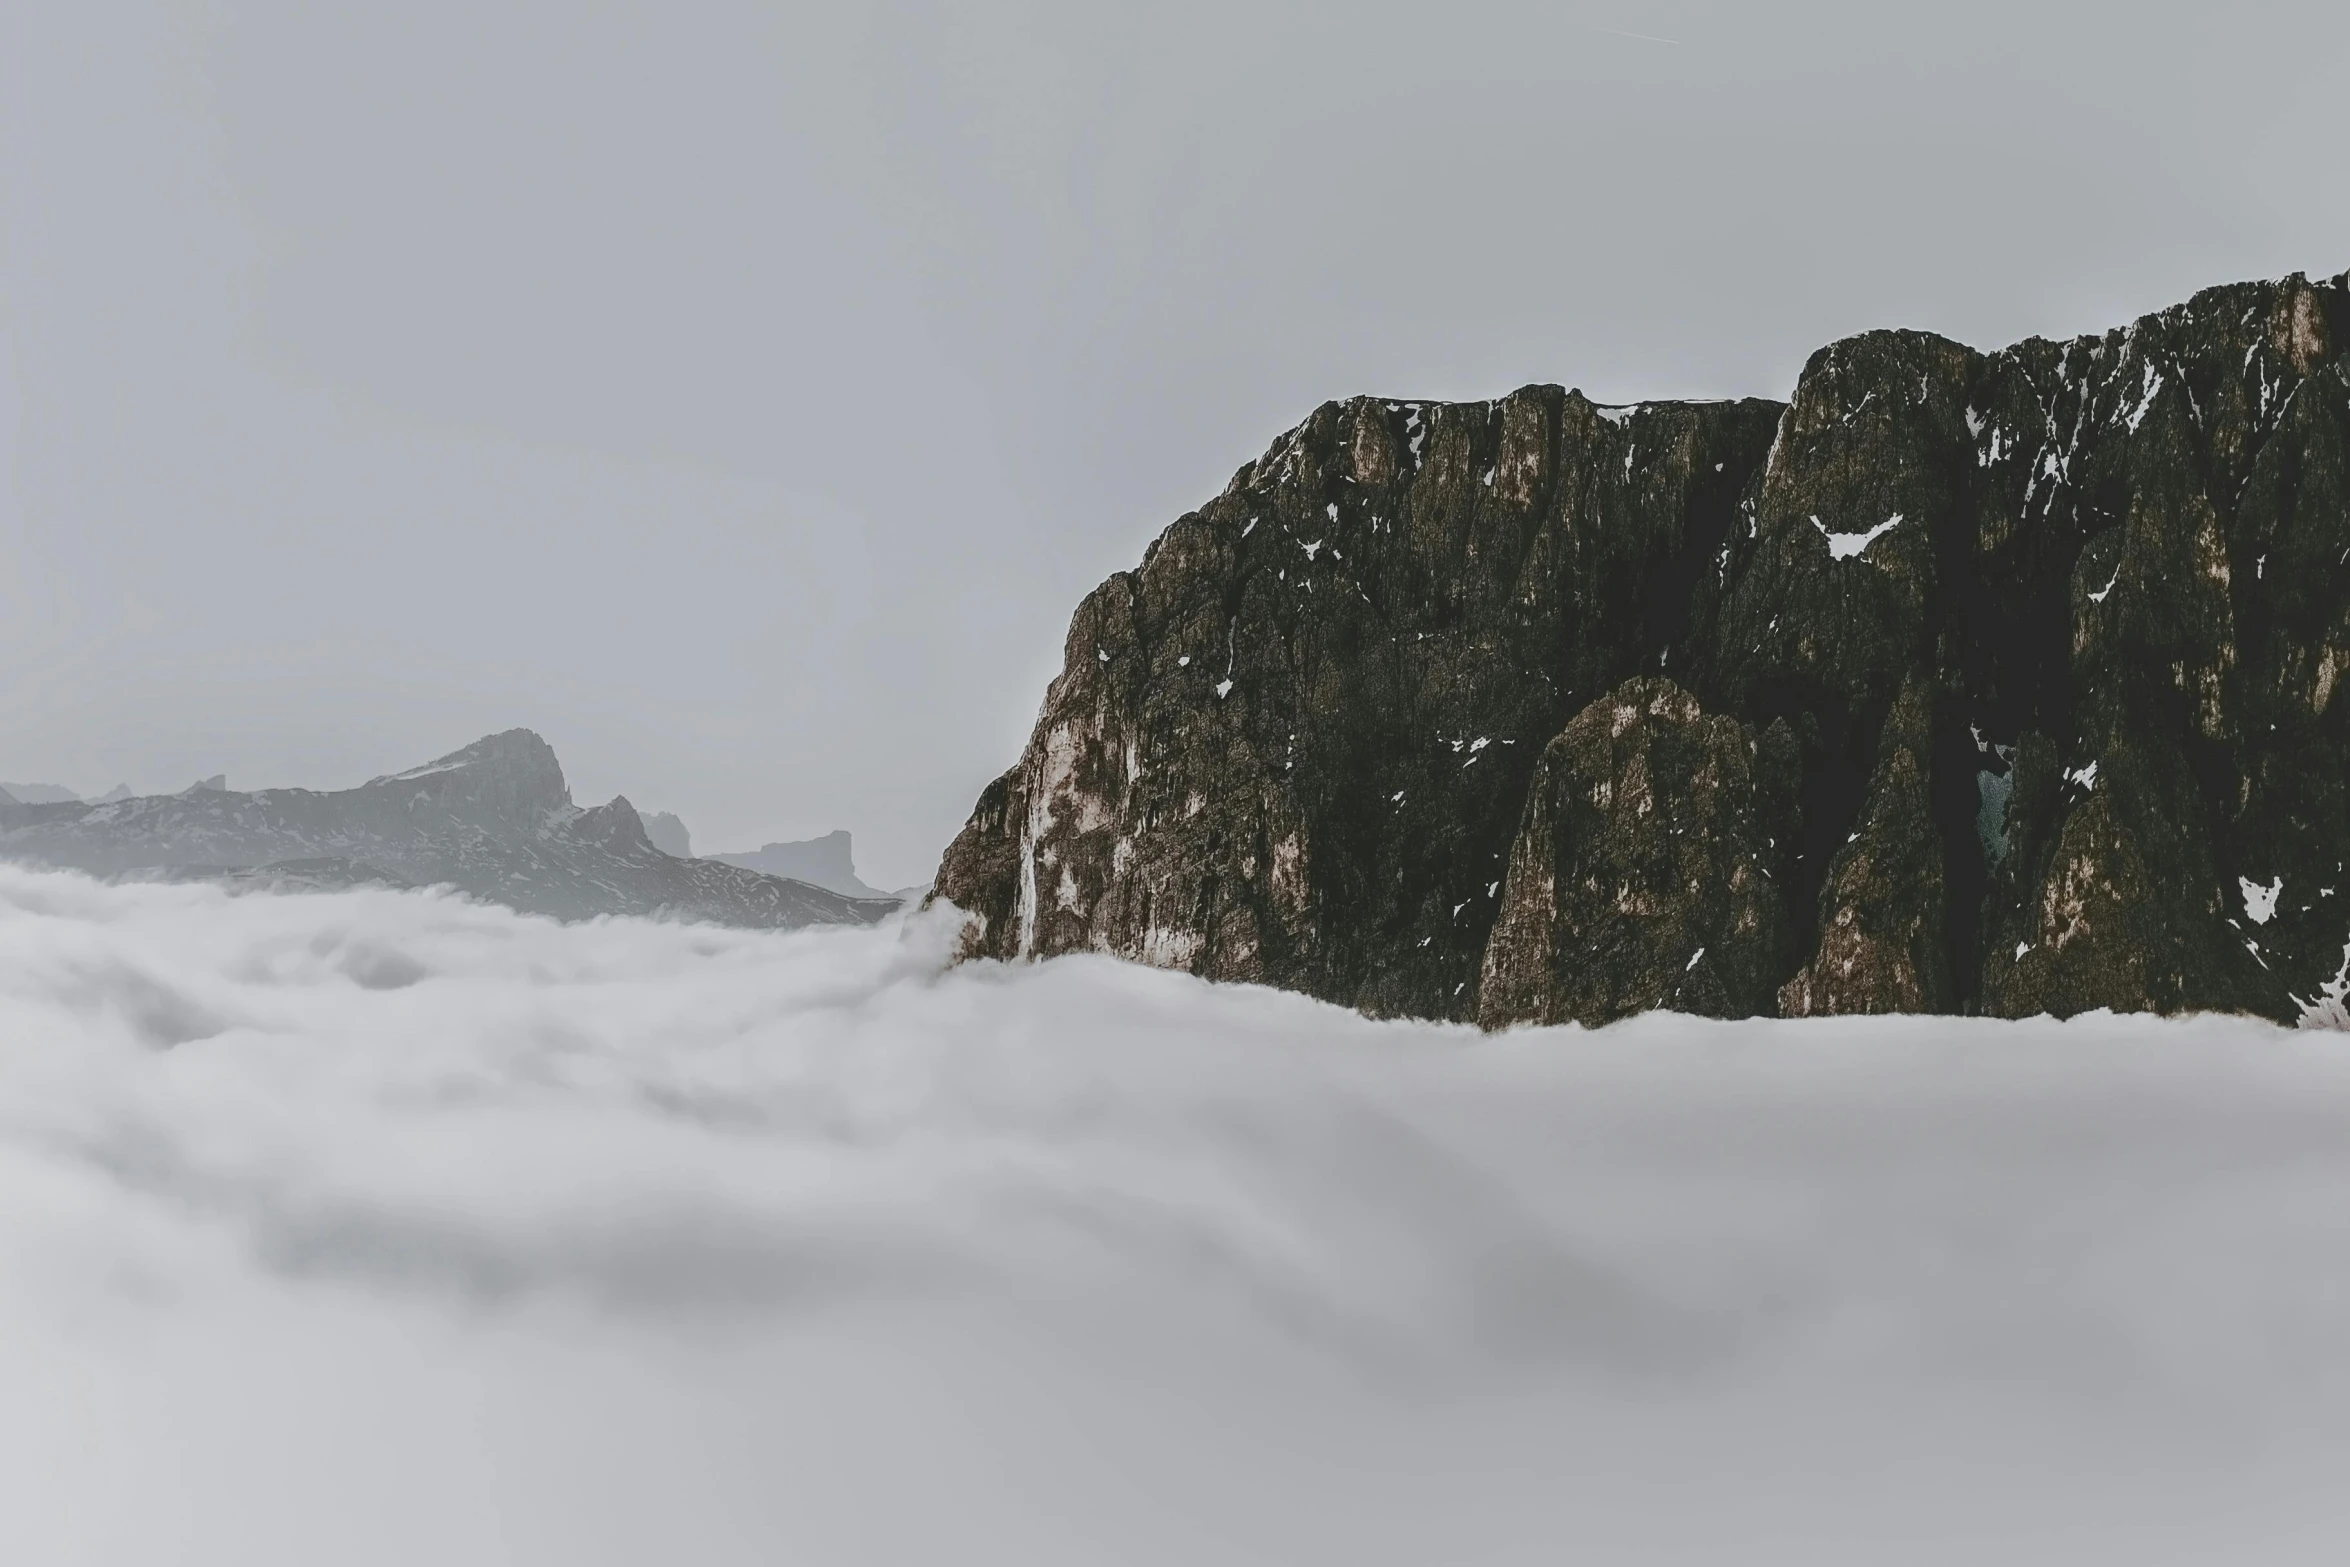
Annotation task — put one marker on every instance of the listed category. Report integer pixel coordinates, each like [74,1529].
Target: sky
[743,395]
[387,1228]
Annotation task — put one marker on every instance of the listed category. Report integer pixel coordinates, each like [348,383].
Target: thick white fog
[387,1228]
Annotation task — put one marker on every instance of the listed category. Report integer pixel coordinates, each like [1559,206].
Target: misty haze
[1270,783]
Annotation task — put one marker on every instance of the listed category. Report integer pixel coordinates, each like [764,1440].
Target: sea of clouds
[389,1228]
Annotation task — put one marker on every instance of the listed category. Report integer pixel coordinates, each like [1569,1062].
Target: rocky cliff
[1960,682]
[494,820]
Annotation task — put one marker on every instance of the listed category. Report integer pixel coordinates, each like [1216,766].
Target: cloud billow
[500,1240]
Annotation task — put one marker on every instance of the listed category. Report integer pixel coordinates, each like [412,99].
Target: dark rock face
[1999,683]
[1294,746]
[494,820]
[1642,875]
[1882,944]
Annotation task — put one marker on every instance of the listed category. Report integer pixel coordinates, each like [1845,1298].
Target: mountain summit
[1961,682]
[828,861]
[494,820]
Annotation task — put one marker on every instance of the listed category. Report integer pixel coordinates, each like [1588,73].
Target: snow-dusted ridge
[494,820]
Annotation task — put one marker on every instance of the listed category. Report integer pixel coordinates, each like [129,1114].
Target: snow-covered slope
[494,819]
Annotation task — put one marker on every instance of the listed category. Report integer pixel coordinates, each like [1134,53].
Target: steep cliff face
[1996,682]
[1293,746]
[1643,875]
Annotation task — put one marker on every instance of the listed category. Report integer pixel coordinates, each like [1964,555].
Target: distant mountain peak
[827,861]
[511,776]
[58,794]
[668,834]
[493,819]
[37,793]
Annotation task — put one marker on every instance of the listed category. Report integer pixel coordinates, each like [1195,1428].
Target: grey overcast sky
[742,395]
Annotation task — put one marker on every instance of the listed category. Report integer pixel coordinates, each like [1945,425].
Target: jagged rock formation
[494,820]
[1883,913]
[1642,875]
[829,861]
[1999,682]
[667,833]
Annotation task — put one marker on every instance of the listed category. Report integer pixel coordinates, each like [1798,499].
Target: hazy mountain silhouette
[494,820]
[826,861]
[668,833]
[37,793]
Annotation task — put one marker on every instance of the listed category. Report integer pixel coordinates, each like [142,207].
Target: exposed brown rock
[1640,877]
[2050,641]
[1882,937]
[1294,745]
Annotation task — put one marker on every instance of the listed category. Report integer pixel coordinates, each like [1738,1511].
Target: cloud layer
[385,1227]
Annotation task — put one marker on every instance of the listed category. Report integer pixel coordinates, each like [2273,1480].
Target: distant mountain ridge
[827,861]
[54,794]
[494,820]
[37,793]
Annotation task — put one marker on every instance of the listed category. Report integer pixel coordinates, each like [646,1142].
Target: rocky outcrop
[1642,876]
[2041,648]
[1294,746]
[1882,943]
[494,820]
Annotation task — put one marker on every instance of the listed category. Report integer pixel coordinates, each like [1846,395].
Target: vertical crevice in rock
[1968,799]
[1882,934]
[1640,876]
